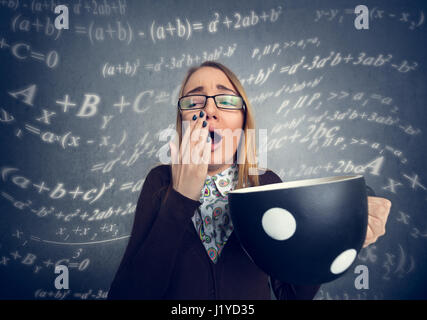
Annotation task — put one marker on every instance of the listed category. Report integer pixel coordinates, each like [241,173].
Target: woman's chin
[219,156]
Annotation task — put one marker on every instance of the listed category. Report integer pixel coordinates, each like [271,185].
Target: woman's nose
[210,107]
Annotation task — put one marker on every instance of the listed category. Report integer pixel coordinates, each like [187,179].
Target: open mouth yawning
[216,137]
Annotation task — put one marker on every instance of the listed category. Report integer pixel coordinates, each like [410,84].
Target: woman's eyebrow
[197,89]
[218,86]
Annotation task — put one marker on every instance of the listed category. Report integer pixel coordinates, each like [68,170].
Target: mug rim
[297,184]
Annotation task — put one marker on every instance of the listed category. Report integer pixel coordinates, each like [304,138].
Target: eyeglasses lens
[222,101]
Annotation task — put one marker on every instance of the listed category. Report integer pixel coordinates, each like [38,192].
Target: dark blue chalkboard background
[84,113]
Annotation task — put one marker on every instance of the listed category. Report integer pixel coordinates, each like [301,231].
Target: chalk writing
[413,21]
[86,112]
[93,7]
[57,191]
[23,51]
[277,48]
[362,59]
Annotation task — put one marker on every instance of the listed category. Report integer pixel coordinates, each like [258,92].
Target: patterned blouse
[211,219]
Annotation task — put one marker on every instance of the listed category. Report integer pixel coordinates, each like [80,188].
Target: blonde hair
[247,157]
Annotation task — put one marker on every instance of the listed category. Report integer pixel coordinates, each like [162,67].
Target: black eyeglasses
[222,101]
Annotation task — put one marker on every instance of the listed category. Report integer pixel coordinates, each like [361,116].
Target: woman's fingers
[195,135]
[194,151]
[191,140]
[187,128]
[185,141]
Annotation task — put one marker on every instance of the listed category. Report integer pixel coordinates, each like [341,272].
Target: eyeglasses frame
[213,97]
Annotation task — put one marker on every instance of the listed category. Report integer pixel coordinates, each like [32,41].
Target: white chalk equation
[362,59]
[31,208]
[276,49]
[100,294]
[188,60]
[180,28]
[86,113]
[38,264]
[58,191]
[185,60]
[324,130]
[235,21]
[22,51]
[97,8]
[412,20]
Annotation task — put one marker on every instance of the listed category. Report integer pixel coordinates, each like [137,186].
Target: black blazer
[165,258]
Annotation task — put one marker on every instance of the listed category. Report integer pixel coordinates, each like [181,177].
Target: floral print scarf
[212,219]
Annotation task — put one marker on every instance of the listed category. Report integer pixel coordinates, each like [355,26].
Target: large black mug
[302,232]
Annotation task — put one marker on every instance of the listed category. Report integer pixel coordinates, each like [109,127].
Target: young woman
[182,244]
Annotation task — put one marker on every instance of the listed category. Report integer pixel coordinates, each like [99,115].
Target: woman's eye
[191,105]
[227,103]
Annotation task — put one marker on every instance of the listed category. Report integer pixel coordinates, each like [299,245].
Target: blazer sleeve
[158,229]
